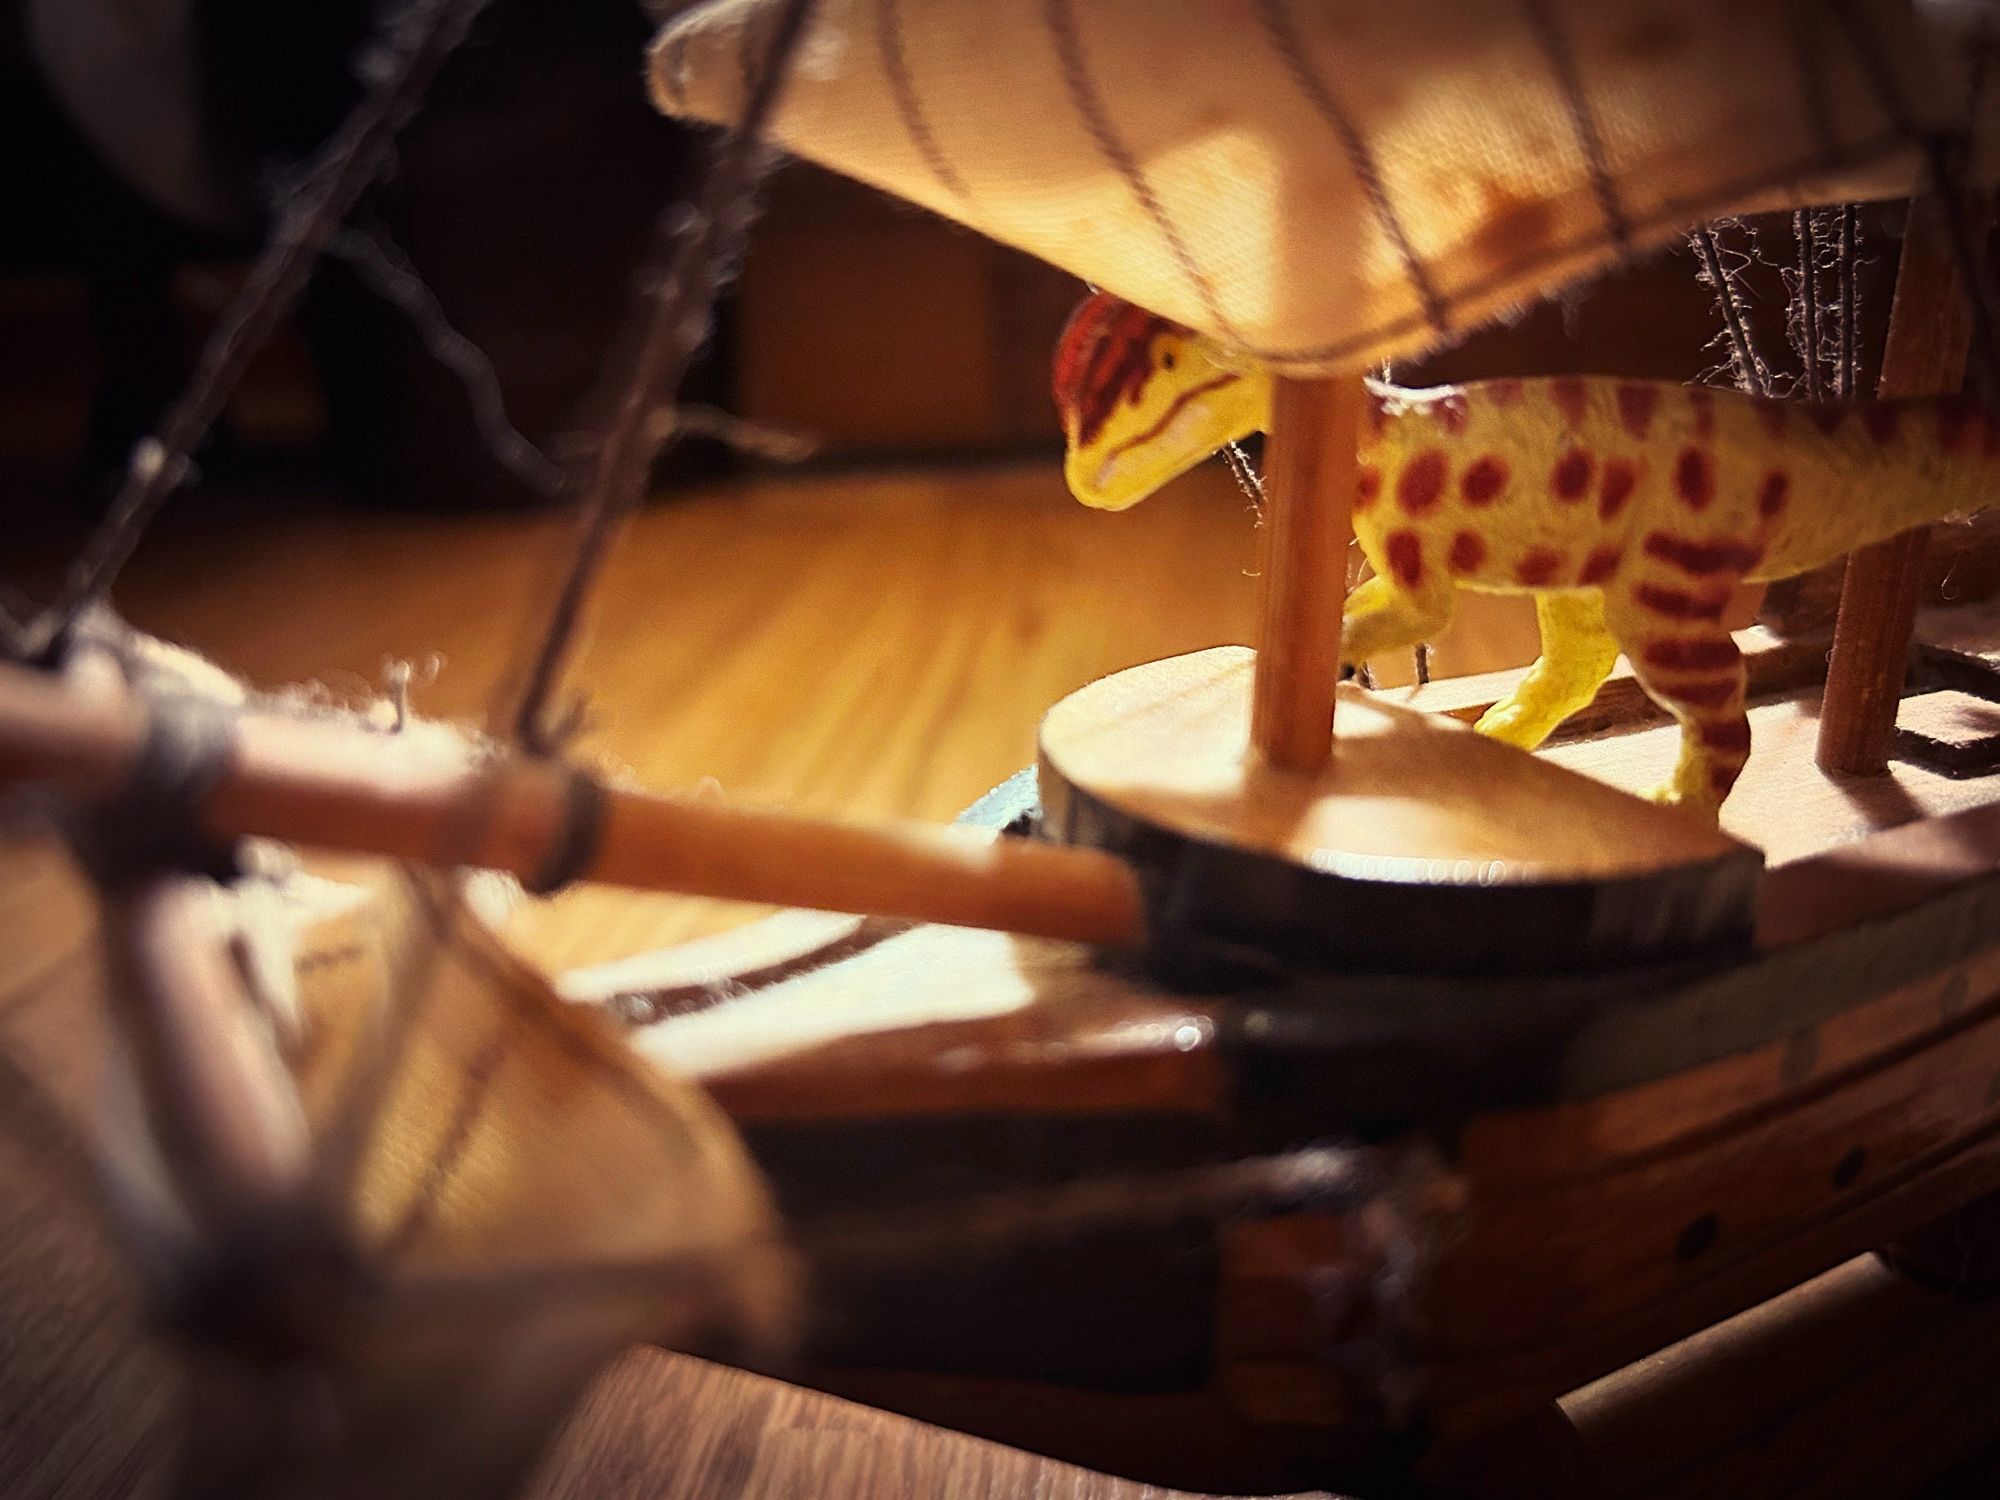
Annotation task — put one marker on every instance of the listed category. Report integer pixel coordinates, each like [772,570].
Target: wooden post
[1308,495]
[1929,332]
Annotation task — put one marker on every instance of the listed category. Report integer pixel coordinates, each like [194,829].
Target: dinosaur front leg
[1694,671]
[1578,652]
[1384,616]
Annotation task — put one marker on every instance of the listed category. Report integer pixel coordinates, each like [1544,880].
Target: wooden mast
[434,798]
[1308,494]
[1929,332]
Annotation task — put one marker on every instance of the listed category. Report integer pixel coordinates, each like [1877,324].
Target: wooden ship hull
[1508,1187]
[1261,1230]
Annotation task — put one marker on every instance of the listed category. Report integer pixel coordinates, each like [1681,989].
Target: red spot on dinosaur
[1826,415]
[1694,478]
[1713,693]
[1600,565]
[1880,419]
[1774,417]
[1729,735]
[1572,398]
[1503,392]
[1636,405]
[1468,551]
[1621,477]
[1405,553]
[1538,567]
[1677,604]
[1367,486]
[1722,777]
[1702,653]
[1724,555]
[1772,493]
[1420,486]
[1570,479]
[1482,482]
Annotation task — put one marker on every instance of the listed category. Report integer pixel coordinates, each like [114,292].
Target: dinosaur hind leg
[1692,669]
[1382,617]
[1578,652]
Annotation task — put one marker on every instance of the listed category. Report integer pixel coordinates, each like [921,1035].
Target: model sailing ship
[1306,1075]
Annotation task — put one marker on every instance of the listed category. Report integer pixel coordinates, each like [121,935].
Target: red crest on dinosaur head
[1103,358]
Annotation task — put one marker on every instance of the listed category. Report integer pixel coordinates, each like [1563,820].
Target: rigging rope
[418,41]
[698,248]
[1752,374]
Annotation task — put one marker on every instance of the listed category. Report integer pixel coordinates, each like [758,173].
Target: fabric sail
[525,1195]
[1322,185]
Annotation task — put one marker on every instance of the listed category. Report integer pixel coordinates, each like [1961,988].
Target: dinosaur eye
[1167,360]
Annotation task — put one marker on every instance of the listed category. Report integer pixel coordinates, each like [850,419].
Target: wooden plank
[1593,1136]
[1772,664]
[1784,803]
[1164,743]
[1871,641]
[937,1023]
[1608,1270]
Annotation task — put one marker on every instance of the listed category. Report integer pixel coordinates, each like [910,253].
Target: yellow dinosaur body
[1629,509]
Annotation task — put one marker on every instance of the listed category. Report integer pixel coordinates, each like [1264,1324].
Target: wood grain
[1308,493]
[1783,803]
[1419,847]
[1864,684]
[933,1022]
[1772,664]
[1165,742]
[1606,1257]
[863,644]
[867,644]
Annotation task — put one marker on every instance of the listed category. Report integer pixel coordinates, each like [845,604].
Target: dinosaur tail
[1872,470]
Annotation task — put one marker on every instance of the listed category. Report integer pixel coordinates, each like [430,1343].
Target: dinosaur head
[1143,400]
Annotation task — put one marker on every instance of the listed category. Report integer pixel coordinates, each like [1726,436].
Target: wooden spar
[1929,332]
[1308,493]
[432,797]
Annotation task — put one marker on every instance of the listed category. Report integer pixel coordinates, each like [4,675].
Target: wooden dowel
[1929,332]
[221,1109]
[1871,644]
[1308,494]
[427,796]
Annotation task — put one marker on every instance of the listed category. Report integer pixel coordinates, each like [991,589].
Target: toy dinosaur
[1630,510]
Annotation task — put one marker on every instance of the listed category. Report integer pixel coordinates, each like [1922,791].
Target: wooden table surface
[865,643]
[861,643]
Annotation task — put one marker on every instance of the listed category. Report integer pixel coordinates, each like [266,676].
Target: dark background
[523,194]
